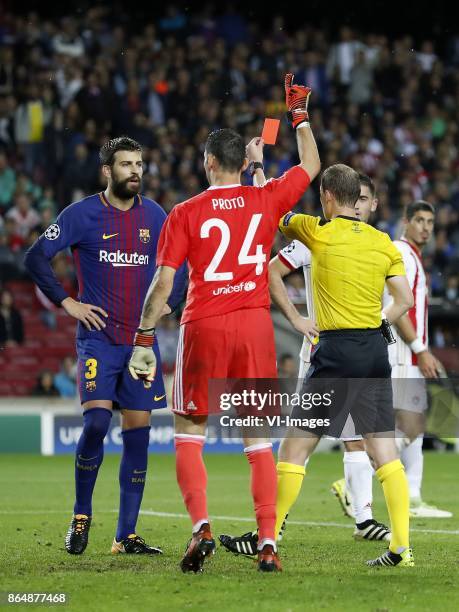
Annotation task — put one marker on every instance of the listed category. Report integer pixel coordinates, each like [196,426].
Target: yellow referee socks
[289,481]
[395,486]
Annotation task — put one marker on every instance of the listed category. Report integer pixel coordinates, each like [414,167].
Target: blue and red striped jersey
[115,258]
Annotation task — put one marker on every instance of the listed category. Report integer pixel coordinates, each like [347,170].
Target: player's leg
[253,356]
[97,416]
[201,355]
[263,487]
[373,415]
[96,384]
[293,454]
[88,459]
[190,435]
[281,525]
[137,404]
[391,474]
[410,432]
[410,399]
[358,473]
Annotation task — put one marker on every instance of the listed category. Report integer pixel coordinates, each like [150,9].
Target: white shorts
[348,434]
[409,388]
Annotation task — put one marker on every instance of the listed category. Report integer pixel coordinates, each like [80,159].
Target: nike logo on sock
[140,471]
[87,458]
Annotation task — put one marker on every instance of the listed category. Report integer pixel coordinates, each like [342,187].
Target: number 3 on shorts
[91,372]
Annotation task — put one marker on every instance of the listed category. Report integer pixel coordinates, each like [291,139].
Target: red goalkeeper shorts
[239,344]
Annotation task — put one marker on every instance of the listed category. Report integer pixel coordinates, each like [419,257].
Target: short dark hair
[228,147]
[343,182]
[122,143]
[366,180]
[416,206]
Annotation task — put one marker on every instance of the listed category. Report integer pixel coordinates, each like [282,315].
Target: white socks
[358,473]
[413,460]
[267,541]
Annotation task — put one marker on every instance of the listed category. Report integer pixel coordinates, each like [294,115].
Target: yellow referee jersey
[350,263]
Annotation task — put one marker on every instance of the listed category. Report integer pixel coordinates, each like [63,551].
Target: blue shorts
[103,375]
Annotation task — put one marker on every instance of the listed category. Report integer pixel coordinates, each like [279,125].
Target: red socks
[264,490]
[192,477]
[192,480]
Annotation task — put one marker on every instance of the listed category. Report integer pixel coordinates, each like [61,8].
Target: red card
[270,129]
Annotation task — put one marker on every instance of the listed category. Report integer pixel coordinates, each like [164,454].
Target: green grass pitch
[323,566]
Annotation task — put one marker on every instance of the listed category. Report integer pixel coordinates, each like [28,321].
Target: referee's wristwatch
[254,166]
[386,330]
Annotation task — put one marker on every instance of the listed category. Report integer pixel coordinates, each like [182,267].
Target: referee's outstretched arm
[402,296]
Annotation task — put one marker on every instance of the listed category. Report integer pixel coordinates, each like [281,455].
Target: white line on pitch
[245,519]
[237,519]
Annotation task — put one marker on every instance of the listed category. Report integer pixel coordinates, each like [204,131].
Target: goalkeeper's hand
[296,99]
[142,363]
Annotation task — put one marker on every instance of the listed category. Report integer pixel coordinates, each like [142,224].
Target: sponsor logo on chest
[118,259]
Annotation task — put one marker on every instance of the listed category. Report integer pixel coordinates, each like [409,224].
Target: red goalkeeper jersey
[226,234]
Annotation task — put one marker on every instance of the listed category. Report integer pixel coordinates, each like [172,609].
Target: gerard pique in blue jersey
[115,259]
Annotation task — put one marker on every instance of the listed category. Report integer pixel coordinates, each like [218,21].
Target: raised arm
[307,150]
[254,151]
[296,99]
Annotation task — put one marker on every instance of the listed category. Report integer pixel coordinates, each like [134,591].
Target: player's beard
[121,189]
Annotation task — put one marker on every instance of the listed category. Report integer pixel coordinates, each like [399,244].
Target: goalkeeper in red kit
[226,234]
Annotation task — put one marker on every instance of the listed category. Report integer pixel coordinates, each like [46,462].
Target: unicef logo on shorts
[249,286]
[53,232]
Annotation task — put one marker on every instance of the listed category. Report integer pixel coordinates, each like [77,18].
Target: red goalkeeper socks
[192,477]
[264,490]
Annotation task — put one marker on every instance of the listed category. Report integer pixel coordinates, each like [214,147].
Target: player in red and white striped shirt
[410,357]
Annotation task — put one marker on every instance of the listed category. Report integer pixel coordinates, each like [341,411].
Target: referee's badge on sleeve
[287,218]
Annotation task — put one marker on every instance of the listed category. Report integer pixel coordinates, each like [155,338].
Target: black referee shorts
[350,371]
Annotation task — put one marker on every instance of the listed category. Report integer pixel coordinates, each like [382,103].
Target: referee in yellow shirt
[351,263]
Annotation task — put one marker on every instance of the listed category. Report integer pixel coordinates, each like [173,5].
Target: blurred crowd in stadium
[389,108]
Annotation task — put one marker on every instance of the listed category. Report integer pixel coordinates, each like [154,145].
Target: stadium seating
[43,348]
